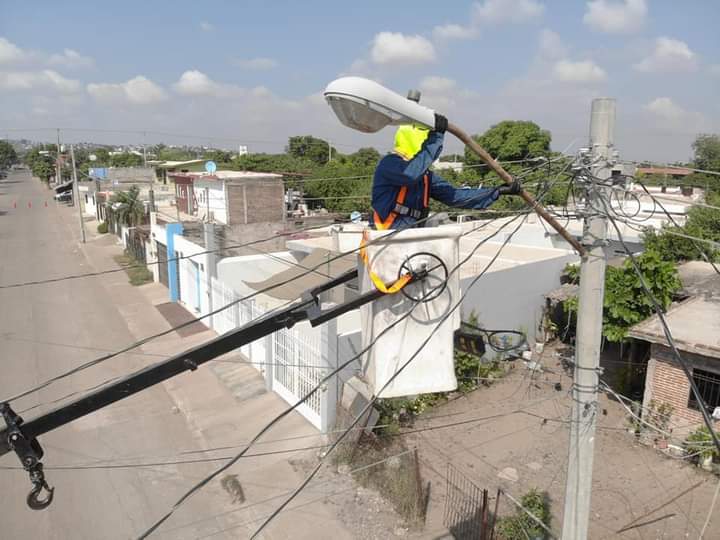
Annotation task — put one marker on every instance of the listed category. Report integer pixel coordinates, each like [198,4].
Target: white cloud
[670,55]
[256,63]
[447,32]
[615,17]
[71,59]
[139,90]
[665,108]
[9,52]
[196,83]
[394,48]
[437,84]
[206,26]
[512,11]
[43,80]
[583,71]
[551,45]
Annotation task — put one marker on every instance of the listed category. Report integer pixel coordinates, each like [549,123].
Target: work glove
[511,189]
[441,123]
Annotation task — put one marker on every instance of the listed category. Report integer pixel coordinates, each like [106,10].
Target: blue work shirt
[394,172]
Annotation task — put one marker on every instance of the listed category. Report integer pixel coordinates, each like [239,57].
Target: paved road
[37,242]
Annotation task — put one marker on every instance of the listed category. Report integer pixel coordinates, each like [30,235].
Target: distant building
[231,197]
[676,173]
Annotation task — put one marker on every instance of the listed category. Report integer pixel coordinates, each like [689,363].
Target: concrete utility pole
[76,194]
[589,328]
[58,172]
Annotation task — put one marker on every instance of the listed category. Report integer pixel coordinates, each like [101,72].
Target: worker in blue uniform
[403,184]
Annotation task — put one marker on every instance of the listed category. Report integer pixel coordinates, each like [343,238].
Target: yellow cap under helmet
[409,139]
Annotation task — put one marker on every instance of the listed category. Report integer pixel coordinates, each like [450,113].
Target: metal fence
[467,514]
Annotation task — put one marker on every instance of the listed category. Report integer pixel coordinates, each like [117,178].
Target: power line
[279,417]
[371,402]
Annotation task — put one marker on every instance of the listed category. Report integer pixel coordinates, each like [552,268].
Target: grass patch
[136,271]
[397,480]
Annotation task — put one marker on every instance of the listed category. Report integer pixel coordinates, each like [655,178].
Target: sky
[252,72]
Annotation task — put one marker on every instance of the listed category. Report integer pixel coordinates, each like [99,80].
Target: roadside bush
[521,526]
[102,228]
[700,444]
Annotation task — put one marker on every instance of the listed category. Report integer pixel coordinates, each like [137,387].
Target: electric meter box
[398,324]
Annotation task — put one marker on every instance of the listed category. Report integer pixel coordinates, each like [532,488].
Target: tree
[512,140]
[365,157]
[626,303]
[126,159]
[41,165]
[707,152]
[218,156]
[312,148]
[128,206]
[8,156]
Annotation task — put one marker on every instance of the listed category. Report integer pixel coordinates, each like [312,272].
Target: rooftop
[694,325]
[227,175]
[677,171]
[699,278]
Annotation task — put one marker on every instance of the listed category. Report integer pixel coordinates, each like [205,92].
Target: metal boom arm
[21,437]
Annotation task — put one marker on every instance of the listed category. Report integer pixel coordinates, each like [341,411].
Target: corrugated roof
[299,280]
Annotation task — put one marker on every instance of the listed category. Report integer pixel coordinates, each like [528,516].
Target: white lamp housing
[367,106]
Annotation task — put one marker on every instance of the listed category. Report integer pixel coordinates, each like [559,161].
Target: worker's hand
[441,123]
[512,189]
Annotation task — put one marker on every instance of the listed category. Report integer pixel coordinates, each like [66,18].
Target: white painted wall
[210,195]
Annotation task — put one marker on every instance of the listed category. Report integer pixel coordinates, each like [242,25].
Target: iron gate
[162,264]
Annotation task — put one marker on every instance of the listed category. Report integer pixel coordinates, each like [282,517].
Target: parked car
[64,196]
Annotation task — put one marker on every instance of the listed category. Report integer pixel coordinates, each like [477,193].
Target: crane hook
[39,484]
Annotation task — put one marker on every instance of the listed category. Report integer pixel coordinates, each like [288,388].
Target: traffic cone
[14,204]
[46,204]
[29,205]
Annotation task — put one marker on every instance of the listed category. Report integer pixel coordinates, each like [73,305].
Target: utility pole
[144,150]
[58,173]
[77,194]
[583,419]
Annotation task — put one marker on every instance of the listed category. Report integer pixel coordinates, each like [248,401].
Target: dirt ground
[514,435]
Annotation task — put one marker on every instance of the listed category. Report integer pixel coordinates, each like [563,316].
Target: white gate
[227,319]
[297,358]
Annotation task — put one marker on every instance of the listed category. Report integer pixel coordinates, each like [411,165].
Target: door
[162,264]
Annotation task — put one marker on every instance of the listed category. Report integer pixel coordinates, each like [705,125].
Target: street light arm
[508,179]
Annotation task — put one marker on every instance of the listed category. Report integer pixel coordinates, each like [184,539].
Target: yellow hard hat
[409,139]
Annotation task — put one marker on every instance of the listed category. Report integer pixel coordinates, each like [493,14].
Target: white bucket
[432,369]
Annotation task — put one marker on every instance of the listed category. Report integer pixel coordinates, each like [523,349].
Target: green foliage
[520,526]
[700,443]
[41,165]
[625,302]
[164,153]
[137,272]
[309,147]
[512,140]
[345,195]
[659,415]
[571,273]
[102,228]
[126,159]
[131,209]
[218,156]
[701,223]
[8,156]
[365,157]
[707,152]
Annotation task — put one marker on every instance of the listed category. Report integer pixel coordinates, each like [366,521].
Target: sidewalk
[218,418]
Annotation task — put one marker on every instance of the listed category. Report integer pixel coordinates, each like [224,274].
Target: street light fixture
[367,106]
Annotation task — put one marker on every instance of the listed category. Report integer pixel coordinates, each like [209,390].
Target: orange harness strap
[377,281]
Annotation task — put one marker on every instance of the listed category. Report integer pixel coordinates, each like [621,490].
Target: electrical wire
[666,330]
[277,418]
[372,401]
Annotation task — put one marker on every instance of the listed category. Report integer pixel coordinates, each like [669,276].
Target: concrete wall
[512,298]
[210,196]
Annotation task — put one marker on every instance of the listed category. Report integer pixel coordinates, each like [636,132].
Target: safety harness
[401,209]
[377,280]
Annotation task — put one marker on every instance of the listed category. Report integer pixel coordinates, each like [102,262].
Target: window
[708,384]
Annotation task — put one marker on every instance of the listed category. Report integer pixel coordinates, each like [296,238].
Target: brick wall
[666,383]
[265,201]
